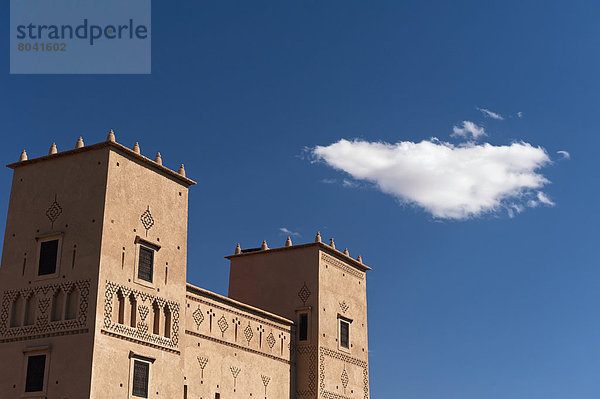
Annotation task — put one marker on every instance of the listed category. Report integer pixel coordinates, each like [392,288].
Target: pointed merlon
[79,143]
[359,258]
[158,158]
[346,252]
[53,149]
[238,249]
[23,156]
[111,136]
[264,245]
[318,237]
[288,242]
[136,148]
[181,170]
[331,243]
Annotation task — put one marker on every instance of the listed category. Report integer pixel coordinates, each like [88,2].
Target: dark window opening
[344,334]
[141,371]
[167,322]
[36,366]
[303,333]
[217,396]
[146,264]
[48,254]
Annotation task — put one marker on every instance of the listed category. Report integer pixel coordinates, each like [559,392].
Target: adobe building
[95,303]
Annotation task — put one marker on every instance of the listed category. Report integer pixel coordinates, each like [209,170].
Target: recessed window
[141,372]
[303,327]
[146,264]
[48,257]
[36,367]
[344,334]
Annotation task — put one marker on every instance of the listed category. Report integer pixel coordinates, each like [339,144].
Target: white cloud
[448,181]
[491,114]
[520,114]
[468,128]
[564,154]
[543,198]
[287,231]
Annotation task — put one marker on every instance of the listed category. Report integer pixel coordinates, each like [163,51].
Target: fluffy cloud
[448,181]
[490,114]
[565,154]
[468,128]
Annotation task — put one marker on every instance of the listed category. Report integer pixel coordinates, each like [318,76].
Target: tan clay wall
[284,282]
[136,195]
[70,192]
[231,350]
[343,373]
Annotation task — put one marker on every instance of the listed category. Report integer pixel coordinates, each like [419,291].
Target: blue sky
[482,306]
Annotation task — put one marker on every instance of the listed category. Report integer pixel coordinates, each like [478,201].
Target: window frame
[341,319]
[308,312]
[45,238]
[149,245]
[133,357]
[30,352]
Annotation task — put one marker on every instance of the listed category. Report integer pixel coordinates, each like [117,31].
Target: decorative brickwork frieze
[336,355]
[342,266]
[141,331]
[309,351]
[42,326]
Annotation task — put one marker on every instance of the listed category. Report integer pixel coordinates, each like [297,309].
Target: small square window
[344,334]
[141,372]
[36,367]
[146,264]
[48,257]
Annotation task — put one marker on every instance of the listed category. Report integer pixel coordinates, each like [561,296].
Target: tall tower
[93,275]
[324,291]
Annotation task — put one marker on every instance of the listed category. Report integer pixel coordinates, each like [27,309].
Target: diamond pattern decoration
[147,220]
[198,317]
[345,378]
[54,211]
[304,293]
[270,340]
[248,333]
[223,326]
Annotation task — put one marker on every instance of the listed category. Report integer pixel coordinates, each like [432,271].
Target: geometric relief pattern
[248,333]
[198,317]
[202,362]
[223,325]
[140,331]
[270,340]
[344,306]
[147,220]
[311,352]
[323,352]
[342,266]
[344,379]
[42,324]
[265,380]
[54,211]
[304,293]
